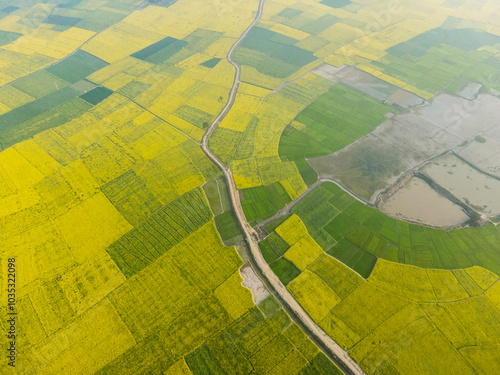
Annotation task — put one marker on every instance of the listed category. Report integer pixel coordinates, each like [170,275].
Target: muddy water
[414,200]
[474,188]
[470,90]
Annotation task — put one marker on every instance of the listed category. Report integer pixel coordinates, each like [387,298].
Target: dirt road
[260,266]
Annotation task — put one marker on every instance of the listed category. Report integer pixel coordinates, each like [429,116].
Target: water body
[408,140]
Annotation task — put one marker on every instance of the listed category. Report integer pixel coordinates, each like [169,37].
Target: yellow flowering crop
[157,141]
[88,283]
[248,89]
[292,230]
[37,157]
[313,294]
[110,46]
[482,276]
[17,202]
[178,368]
[289,31]
[93,339]
[416,287]
[13,98]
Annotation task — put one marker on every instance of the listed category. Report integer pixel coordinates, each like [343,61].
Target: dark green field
[335,3]
[7,37]
[227,225]
[77,66]
[285,270]
[62,20]
[211,63]
[220,204]
[273,247]
[96,95]
[163,49]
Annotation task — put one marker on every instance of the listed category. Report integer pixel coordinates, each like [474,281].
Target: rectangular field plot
[96,95]
[161,50]
[217,195]
[227,226]
[62,20]
[7,37]
[160,232]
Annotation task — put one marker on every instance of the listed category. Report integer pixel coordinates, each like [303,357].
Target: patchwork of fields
[106,206]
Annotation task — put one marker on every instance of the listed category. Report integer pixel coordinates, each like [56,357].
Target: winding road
[259,265]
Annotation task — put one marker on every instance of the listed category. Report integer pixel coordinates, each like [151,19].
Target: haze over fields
[249,187]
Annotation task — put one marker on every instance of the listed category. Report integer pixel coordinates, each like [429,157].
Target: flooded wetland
[377,168]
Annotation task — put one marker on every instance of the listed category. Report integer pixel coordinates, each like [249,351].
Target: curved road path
[260,266]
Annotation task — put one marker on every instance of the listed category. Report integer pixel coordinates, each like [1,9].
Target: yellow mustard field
[401,316]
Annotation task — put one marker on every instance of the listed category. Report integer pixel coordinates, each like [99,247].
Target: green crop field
[357,235]
[77,66]
[330,123]
[402,305]
[262,202]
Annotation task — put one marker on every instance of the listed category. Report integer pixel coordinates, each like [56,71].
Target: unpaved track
[260,266]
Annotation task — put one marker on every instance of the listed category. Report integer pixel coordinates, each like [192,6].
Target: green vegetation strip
[211,63]
[336,3]
[161,50]
[357,235]
[62,20]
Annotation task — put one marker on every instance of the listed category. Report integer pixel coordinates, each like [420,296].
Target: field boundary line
[340,357]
